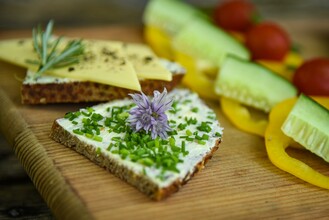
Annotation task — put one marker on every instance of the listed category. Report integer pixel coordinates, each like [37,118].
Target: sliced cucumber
[308,124]
[170,15]
[252,84]
[202,40]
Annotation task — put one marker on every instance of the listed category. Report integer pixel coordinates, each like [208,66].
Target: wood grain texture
[238,183]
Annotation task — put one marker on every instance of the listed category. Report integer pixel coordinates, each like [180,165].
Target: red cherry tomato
[312,77]
[235,15]
[267,41]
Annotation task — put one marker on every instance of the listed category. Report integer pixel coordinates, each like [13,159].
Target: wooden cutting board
[238,183]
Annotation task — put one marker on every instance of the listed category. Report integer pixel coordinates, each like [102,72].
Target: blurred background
[26,13]
[18,197]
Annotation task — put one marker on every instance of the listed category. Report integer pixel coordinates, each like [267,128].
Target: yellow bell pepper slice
[276,143]
[159,41]
[240,116]
[287,67]
[195,79]
[293,59]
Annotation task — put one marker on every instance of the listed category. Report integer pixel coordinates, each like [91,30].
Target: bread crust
[141,182]
[85,91]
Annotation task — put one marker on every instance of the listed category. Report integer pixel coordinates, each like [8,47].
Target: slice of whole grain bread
[140,181]
[146,178]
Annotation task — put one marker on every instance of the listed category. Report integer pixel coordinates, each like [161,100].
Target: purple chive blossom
[150,115]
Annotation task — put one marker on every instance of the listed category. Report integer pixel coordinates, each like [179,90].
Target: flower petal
[150,115]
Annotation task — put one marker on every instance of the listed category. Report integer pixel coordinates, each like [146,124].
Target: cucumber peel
[308,124]
[252,84]
[202,40]
[170,15]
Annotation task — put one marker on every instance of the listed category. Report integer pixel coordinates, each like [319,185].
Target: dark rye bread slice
[85,91]
[147,180]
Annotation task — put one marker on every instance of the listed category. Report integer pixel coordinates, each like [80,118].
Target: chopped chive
[201,142]
[123,115]
[211,117]
[141,151]
[197,137]
[72,115]
[164,142]
[191,120]
[174,108]
[96,117]
[205,137]
[204,127]
[171,133]
[89,109]
[183,146]
[134,157]
[97,138]
[195,109]
[157,143]
[171,141]
[182,126]
[150,144]
[124,153]
[217,134]
[116,139]
[146,138]
[146,161]
[89,135]
[87,114]
[110,147]
[175,148]
[77,131]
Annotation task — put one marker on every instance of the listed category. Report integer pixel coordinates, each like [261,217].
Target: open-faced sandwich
[156,144]
[69,70]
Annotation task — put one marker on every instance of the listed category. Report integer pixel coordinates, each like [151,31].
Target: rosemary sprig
[49,53]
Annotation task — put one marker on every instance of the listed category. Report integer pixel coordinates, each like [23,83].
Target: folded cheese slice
[108,62]
[145,62]
[104,62]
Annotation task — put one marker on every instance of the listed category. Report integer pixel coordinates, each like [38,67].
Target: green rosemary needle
[49,51]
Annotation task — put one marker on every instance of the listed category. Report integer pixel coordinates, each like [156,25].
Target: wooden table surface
[239,182]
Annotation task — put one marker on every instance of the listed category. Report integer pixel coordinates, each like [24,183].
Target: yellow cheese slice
[104,62]
[109,62]
[146,62]
[17,51]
